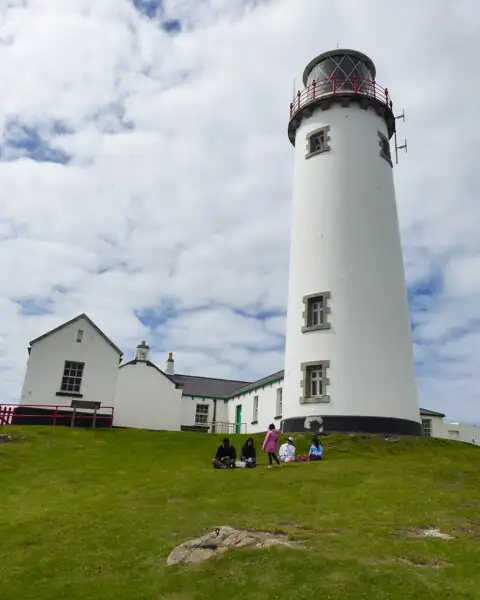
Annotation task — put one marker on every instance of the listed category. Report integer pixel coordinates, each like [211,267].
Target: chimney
[143,352]
[170,364]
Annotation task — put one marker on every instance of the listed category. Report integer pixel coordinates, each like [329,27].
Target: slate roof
[208,387]
[259,383]
[430,413]
[77,318]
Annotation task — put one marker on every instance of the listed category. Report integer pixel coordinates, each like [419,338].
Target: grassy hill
[93,515]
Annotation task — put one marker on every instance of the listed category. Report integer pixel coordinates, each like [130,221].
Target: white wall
[267,408]
[461,432]
[46,363]
[146,399]
[345,240]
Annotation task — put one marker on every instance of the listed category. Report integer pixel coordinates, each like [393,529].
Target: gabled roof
[77,318]
[430,413]
[260,383]
[208,387]
[151,364]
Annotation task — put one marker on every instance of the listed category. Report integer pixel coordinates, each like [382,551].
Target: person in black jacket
[225,456]
[248,454]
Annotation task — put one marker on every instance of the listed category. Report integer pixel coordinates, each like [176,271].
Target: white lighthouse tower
[349,359]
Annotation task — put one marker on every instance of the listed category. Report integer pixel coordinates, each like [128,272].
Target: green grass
[94,514]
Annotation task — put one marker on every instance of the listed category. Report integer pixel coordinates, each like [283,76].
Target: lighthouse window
[317,142]
[316,311]
[315,382]
[384,148]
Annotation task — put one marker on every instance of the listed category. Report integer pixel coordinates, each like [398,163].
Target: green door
[238,419]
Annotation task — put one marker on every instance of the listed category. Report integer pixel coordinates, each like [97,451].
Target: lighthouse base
[317,424]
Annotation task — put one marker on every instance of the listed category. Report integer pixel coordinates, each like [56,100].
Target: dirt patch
[426,562]
[5,438]
[222,539]
[428,532]
[470,529]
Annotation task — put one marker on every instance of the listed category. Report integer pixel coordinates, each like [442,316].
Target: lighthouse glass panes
[349,71]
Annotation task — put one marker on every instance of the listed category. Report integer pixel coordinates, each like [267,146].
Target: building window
[255,409]
[317,142]
[72,377]
[384,148]
[316,311]
[279,402]
[427,427]
[315,382]
[79,336]
[201,414]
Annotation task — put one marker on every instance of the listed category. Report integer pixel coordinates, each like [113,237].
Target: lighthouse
[349,359]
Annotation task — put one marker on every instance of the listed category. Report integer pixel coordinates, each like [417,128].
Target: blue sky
[146,176]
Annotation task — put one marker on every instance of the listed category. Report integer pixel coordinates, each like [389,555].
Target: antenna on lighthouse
[404,145]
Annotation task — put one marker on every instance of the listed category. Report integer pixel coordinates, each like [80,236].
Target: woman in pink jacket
[270,445]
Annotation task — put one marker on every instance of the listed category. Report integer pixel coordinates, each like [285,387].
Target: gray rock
[4,438]
[221,540]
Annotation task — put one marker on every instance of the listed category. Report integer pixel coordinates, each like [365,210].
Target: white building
[78,362]
[348,360]
[434,425]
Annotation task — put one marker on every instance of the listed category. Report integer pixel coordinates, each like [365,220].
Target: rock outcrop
[222,539]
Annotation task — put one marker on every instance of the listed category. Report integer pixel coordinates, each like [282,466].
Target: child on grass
[270,445]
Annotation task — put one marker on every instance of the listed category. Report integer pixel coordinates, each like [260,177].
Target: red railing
[335,86]
[52,414]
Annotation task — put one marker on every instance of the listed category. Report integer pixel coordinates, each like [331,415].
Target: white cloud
[179,180]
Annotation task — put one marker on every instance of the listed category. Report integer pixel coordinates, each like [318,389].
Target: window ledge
[253,422]
[315,400]
[69,394]
[307,328]
[278,417]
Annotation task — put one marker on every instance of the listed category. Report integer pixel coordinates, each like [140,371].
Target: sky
[146,176]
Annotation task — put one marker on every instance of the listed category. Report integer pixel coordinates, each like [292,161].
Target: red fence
[51,414]
[333,86]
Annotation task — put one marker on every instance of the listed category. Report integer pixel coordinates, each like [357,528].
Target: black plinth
[351,424]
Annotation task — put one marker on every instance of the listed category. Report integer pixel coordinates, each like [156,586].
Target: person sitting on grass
[248,454]
[316,450]
[225,456]
[287,451]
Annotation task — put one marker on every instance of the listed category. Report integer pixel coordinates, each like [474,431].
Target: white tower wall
[345,241]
